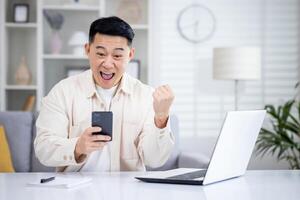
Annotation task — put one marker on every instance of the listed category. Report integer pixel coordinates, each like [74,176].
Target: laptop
[230,157]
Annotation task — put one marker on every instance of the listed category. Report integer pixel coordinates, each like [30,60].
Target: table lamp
[237,63]
[77,41]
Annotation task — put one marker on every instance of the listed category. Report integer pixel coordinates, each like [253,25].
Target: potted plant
[283,137]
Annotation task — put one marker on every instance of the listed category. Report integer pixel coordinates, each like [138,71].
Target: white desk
[256,185]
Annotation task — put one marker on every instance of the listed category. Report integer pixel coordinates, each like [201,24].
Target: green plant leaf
[282,139]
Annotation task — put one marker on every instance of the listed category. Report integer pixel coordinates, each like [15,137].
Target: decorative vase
[23,75]
[55,42]
[130,11]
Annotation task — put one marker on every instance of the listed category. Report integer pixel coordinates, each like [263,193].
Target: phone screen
[103,119]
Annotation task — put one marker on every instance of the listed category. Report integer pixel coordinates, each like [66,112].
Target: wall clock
[196,23]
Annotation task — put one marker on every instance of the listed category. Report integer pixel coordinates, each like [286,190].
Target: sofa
[20,133]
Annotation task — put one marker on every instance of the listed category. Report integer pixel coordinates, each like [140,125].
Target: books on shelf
[29,103]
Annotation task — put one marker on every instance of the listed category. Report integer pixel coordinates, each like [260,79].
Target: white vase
[23,75]
[55,43]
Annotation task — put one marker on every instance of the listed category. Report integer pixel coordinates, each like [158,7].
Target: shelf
[20,25]
[71,7]
[20,87]
[64,57]
[139,26]
[32,40]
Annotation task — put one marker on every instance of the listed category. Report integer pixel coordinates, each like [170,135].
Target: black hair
[111,26]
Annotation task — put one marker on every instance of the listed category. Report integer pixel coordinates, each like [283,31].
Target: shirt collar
[90,89]
[126,85]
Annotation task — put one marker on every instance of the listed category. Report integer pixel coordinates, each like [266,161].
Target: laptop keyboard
[190,175]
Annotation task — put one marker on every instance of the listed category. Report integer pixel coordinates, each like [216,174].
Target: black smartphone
[103,119]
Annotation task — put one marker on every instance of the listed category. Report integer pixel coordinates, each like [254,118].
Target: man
[140,115]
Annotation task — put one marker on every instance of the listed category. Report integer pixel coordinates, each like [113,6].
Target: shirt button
[65,158]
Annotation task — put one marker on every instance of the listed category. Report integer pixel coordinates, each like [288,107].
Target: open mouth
[107,76]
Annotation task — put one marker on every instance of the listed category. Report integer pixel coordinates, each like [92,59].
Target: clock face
[196,23]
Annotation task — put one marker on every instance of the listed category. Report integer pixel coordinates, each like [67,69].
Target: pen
[45,180]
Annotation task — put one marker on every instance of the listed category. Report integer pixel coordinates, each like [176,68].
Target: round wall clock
[196,23]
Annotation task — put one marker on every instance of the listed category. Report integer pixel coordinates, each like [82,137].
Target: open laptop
[230,157]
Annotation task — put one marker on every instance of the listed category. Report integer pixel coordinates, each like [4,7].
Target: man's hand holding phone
[88,142]
[96,137]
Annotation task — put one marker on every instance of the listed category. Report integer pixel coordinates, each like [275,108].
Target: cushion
[5,156]
[18,127]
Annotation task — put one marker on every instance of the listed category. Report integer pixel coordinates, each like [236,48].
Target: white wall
[201,102]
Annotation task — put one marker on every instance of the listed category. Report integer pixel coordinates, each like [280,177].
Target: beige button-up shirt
[66,112]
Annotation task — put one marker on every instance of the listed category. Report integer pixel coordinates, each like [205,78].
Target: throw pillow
[5,156]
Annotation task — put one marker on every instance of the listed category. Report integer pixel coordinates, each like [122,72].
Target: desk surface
[253,185]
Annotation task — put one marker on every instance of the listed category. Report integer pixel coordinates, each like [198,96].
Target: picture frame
[21,13]
[73,70]
[134,69]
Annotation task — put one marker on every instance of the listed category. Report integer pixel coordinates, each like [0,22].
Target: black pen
[45,180]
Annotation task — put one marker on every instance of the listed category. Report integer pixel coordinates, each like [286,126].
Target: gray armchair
[20,133]
[20,129]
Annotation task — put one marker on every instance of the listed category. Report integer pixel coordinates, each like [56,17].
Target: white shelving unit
[139,26]
[32,40]
[2,16]
[20,87]
[16,25]
[63,57]
[17,40]
[75,7]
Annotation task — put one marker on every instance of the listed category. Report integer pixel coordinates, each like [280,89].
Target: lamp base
[236,95]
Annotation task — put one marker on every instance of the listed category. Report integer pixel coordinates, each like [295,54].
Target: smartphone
[103,119]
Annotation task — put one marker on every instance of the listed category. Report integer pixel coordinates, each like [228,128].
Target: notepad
[62,182]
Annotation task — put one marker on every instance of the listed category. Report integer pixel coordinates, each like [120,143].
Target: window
[201,102]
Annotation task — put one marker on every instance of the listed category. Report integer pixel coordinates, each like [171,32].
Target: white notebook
[62,182]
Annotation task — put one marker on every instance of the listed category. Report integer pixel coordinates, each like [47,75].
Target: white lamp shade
[78,38]
[237,63]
